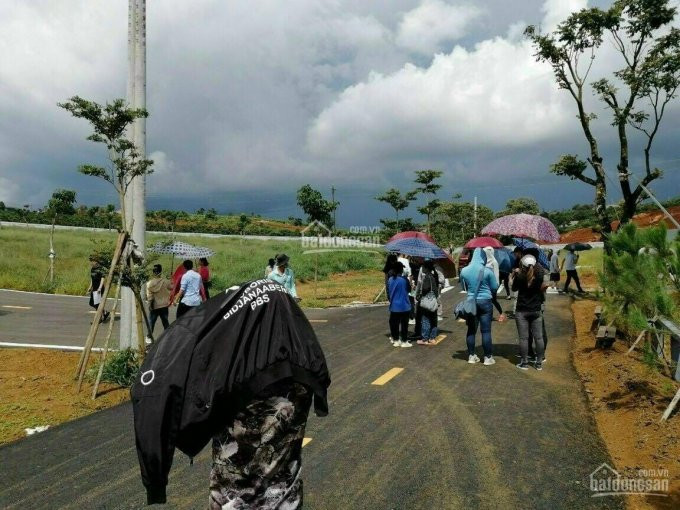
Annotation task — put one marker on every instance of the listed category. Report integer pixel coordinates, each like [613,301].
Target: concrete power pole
[135,197]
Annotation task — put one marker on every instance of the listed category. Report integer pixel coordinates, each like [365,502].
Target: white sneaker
[147,340]
[411,322]
[406,344]
[473,358]
[396,343]
[489,360]
[392,340]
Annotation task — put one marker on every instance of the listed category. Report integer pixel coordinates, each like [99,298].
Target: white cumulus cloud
[434,22]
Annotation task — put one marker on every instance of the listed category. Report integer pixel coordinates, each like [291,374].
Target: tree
[313,204]
[200,211]
[61,203]
[426,178]
[2,206]
[636,94]
[453,222]
[109,215]
[520,205]
[109,124]
[243,222]
[391,227]
[396,200]
[211,214]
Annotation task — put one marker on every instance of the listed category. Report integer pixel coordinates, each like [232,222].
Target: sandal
[432,341]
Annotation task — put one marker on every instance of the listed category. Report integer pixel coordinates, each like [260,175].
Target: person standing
[481,283]
[570,260]
[427,293]
[96,288]
[270,266]
[441,279]
[400,306]
[529,285]
[555,268]
[284,275]
[158,295]
[388,270]
[204,271]
[492,264]
[189,295]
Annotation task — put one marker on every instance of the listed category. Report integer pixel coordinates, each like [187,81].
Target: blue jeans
[429,325]
[483,319]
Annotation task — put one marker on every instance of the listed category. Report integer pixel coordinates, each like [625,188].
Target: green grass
[24,263]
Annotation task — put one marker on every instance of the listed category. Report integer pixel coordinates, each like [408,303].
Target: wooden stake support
[106,344]
[671,406]
[85,355]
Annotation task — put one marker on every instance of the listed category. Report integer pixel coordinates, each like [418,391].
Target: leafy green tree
[427,186]
[313,204]
[391,227]
[519,206]
[636,94]
[395,199]
[109,215]
[453,222]
[211,214]
[61,203]
[2,206]
[109,124]
[200,211]
[243,222]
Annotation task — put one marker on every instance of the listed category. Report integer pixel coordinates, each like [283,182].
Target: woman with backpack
[529,285]
[427,292]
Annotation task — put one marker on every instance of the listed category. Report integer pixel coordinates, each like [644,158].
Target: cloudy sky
[250,99]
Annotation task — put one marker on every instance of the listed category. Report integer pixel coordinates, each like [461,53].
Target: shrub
[120,368]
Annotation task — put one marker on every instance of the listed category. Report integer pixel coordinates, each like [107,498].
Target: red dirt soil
[645,219]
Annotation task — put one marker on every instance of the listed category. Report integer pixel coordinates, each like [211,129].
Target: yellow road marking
[318,320]
[306,441]
[17,307]
[438,339]
[388,376]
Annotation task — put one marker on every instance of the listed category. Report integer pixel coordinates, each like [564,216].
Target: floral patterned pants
[256,459]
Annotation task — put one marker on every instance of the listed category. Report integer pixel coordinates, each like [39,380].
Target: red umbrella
[412,234]
[483,242]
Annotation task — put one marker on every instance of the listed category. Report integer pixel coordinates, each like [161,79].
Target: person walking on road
[284,275]
[400,306]
[570,260]
[555,267]
[427,293]
[529,285]
[96,288]
[190,294]
[158,296]
[204,271]
[481,282]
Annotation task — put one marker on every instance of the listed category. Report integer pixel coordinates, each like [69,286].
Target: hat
[282,260]
[528,260]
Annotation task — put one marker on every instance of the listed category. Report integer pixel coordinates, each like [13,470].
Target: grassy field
[24,263]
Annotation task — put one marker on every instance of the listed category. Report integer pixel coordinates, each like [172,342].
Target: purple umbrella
[523,225]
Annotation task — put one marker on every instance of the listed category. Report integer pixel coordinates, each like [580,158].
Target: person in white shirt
[555,268]
[570,261]
[189,295]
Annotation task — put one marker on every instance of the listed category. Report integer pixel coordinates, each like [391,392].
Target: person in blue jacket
[400,306]
[481,280]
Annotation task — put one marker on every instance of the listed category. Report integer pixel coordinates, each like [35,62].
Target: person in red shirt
[204,271]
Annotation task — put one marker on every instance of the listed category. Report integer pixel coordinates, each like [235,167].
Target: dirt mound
[645,219]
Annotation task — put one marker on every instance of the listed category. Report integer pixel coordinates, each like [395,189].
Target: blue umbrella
[525,243]
[504,258]
[416,247]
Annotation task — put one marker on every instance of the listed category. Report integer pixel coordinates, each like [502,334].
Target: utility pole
[135,208]
[475,219]
[333,201]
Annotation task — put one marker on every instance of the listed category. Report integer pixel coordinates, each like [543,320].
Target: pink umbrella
[411,234]
[523,225]
[483,242]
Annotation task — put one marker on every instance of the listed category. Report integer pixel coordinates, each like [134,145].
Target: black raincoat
[211,362]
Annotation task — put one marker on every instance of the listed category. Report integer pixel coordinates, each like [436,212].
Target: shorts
[554,277]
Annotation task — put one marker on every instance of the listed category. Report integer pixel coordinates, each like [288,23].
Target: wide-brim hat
[282,259]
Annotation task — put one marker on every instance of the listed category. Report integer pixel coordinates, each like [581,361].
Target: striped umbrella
[523,225]
[181,249]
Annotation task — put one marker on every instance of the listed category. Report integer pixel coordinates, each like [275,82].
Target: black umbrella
[213,360]
[577,247]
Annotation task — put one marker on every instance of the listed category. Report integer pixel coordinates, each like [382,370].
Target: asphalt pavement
[440,434]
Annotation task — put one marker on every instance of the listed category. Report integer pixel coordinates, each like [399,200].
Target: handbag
[467,309]
[429,301]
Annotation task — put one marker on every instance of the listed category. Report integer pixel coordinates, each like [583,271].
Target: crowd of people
[414,288]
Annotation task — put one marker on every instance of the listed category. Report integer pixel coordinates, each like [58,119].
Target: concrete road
[442,434]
